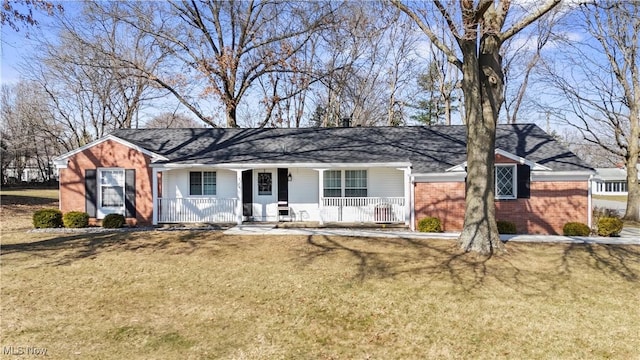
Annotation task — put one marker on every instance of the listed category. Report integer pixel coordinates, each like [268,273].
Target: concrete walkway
[627,237]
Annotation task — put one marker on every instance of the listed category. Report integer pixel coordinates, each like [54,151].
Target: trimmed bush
[75,219]
[609,226]
[576,229]
[429,224]
[47,218]
[113,221]
[506,227]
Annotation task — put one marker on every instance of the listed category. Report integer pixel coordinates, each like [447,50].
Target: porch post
[320,193]
[154,195]
[407,196]
[239,207]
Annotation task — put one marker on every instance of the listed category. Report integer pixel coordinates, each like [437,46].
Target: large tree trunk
[633,188]
[479,232]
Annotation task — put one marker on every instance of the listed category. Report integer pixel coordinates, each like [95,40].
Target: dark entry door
[247,193]
[283,186]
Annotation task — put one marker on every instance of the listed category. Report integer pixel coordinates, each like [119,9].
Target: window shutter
[130,193]
[90,192]
[524,181]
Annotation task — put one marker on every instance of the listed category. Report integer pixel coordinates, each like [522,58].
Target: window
[505,181]
[333,183]
[355,183]
[264,184]
[615,186]
[202,183]
[112,188]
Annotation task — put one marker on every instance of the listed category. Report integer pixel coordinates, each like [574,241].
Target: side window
[111,184]
[505,181]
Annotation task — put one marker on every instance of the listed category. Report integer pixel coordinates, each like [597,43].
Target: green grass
[206,295]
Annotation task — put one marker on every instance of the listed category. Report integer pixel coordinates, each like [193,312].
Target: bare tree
[478,30]
[92,92]
[601,82]
[172,120]
[29,137]
[223,47]
[20,12]
[522,58]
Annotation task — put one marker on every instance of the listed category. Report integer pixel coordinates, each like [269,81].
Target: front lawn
[201,294]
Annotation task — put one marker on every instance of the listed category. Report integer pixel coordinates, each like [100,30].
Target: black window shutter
[130,193]
[524,181]
[90,192]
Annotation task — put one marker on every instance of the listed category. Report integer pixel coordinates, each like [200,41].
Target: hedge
[429,224]
[47,218]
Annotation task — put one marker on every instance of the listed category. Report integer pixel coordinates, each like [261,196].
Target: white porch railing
[363,209]
[194,210]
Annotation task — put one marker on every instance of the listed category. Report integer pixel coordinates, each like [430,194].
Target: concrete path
[628,236]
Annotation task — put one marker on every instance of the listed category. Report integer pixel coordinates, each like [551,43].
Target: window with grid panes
[202,183]
[355,183]
[505,181]
[333,183]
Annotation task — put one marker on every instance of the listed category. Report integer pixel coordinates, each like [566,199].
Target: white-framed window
[506,184]
[615,186]
[355,183]
[202,183]
[265,183]
[332,183]
[111,188]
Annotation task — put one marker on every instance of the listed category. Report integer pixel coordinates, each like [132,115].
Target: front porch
[210,194]
[382,210]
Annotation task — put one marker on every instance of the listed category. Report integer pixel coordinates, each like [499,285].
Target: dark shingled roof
[428,148]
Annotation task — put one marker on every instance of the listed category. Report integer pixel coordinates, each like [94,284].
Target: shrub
[506,227]
[113,221]
[47,218]
[576,229]
[601,212]
[76,219]
[609,226]
[429,224]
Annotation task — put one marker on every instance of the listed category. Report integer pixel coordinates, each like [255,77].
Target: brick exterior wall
[552,204]
[103,155]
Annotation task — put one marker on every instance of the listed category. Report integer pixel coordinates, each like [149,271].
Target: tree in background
[173,120]
[441,100]
[599,76]
[29,136]
[92,92]
[20,12]
[477,29]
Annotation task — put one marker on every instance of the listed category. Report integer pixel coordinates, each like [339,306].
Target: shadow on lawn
[66,249]
[388,258]
[611,259]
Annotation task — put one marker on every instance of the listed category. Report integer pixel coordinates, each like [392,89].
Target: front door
[265,195]
[247,193]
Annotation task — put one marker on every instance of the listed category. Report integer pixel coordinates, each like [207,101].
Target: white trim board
[516,158]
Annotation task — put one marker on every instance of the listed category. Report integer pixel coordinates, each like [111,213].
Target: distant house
[611,181]
[342,175]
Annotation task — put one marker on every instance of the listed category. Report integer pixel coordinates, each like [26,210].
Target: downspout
[412,199]
[590,201]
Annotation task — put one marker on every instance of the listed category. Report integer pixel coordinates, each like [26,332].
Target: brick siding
[552,204]
[103,155]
